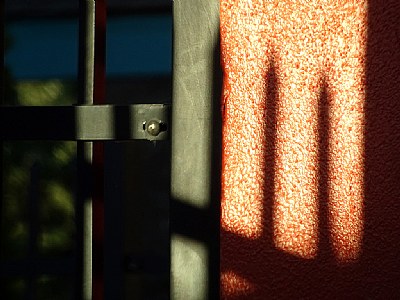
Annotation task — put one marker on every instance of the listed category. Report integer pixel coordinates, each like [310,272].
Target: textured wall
[311,130]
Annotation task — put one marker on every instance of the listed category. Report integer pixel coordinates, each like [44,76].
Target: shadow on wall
[261,269]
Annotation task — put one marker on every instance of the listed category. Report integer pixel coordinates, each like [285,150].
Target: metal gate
[195,136]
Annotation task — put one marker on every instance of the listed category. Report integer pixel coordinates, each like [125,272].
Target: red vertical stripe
[98,152]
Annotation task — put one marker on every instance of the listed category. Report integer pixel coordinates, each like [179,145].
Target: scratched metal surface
[195,144]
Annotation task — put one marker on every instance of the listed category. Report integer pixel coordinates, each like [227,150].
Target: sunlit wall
[294,158]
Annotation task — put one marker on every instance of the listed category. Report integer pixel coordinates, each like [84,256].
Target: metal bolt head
[154,127]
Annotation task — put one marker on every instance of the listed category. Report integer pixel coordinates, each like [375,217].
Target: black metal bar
[39,267]
[26,123]
[85,122]
[195,182]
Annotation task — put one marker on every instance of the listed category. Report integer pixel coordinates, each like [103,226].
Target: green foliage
[55,167]
[41,171]
[42,93]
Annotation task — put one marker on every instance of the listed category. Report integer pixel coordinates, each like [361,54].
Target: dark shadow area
[376,274]
[381,246]
[215,205]
[145,213]
[122,122]
[113,220]
[140,258]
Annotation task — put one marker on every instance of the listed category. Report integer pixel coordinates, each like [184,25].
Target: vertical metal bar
[85,149]
[195,151]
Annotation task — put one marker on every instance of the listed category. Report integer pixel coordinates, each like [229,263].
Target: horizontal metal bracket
[85,122]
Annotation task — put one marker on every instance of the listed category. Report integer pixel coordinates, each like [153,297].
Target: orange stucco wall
[311,131]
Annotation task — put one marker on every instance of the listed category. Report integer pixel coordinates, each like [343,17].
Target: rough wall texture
[311,131]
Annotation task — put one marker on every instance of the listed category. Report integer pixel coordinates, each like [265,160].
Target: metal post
[195,151]
[85,149]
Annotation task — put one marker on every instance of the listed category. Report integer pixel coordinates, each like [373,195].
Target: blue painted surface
[136,46]
[140,45]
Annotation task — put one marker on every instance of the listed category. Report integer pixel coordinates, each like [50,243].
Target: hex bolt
[154,127]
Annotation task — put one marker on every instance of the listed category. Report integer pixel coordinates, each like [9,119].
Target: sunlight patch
[233,285]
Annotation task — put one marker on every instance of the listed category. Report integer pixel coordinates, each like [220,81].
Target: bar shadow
[269,270]
[375,275]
